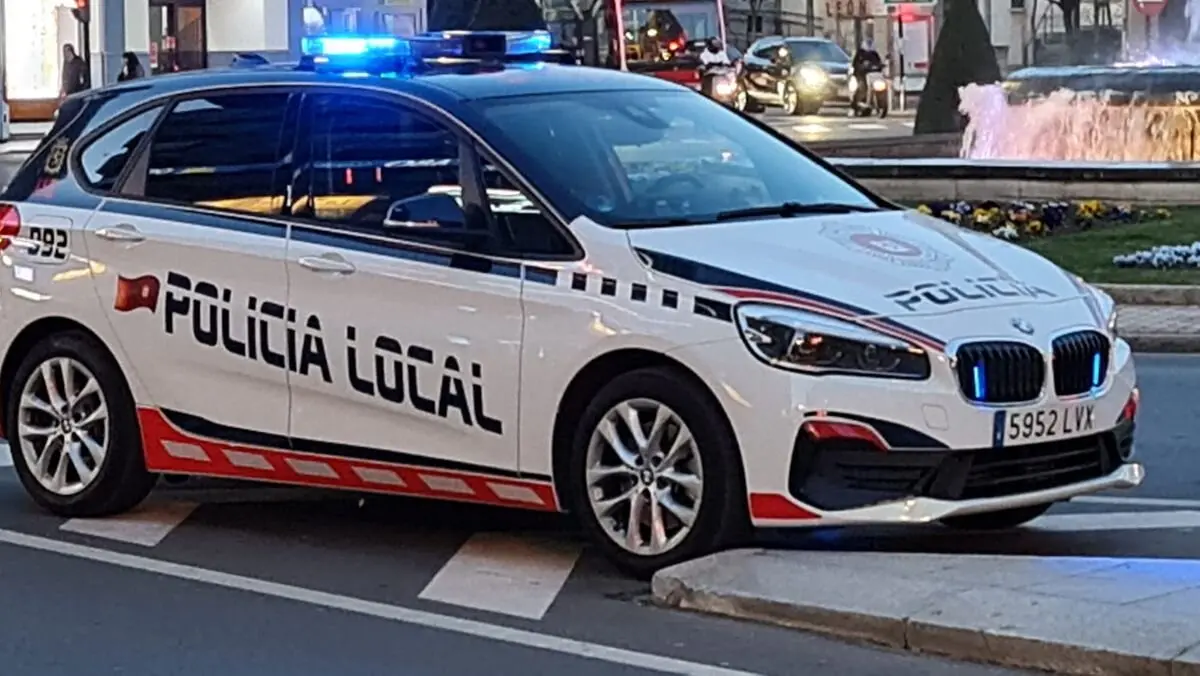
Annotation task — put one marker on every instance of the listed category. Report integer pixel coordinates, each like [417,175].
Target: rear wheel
[656,475]
[1002,520]
[73,430]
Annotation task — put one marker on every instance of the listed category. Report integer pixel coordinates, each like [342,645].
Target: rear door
[192,254]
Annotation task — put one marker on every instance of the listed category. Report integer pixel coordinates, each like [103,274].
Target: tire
[810,108]
[790,100]
[118,481]
[1002,520]
[721,516]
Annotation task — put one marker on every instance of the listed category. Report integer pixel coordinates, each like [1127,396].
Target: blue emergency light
[366,53]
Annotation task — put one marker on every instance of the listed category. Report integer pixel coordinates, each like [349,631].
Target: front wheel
[1002,520]
[790,100]
[73,430]
[656,476]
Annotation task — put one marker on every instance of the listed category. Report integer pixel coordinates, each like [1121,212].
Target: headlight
[879,85]
[811,343]
[724,88]
[811,77]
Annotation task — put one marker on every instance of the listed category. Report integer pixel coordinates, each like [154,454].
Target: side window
[104,159]
[529,231]
[221,151]
[766,49]
[380,168]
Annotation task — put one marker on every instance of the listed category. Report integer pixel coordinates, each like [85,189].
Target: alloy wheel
[739,99]
[63,426]
[644,476]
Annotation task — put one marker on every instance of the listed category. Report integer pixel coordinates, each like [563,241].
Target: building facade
[169,35]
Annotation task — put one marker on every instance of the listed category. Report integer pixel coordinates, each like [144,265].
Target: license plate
[1015,428]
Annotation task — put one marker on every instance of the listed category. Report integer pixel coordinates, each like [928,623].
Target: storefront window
[37,31]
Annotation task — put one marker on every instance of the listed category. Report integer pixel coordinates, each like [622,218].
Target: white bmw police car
[441,267]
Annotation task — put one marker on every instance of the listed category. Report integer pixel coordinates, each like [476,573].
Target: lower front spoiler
[922,510]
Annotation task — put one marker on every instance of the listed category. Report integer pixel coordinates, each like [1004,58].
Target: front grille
[1080,362]
[1000,372]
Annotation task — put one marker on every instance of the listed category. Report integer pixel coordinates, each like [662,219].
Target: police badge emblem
[873,242]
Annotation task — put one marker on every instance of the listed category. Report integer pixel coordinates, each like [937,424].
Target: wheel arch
[587,382]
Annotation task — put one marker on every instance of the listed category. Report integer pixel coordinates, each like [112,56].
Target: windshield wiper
[658,223]
[789,209]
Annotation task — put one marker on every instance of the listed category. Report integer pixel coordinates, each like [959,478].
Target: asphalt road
[260,580]
[835,124]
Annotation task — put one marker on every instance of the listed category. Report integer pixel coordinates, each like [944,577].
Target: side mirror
[433,212]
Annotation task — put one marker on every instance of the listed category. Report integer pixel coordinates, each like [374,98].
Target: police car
[442,267]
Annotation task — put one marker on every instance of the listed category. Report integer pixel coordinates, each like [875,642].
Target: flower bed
[1163,257]
[1017,221]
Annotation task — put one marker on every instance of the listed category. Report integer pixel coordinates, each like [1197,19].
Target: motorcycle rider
[866,60]
[712,60]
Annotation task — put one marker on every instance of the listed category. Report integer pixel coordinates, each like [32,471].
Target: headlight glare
[811,343]
[812,77]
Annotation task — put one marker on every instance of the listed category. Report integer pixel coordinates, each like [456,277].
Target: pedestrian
[74,72]
[132,69]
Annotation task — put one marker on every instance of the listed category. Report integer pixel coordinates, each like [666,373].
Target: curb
[1152,294]
[1164,343]
[973,623]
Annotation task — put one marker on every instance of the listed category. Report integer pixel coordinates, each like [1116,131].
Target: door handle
[121,233]
[329,263]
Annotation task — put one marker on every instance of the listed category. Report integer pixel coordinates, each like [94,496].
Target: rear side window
[222,151]
[103,160]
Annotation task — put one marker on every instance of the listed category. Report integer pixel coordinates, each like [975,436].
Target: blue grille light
[329,45]
[355,49]
[1096,375]
[980,385]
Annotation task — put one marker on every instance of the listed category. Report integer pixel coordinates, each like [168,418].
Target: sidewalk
[1063,615]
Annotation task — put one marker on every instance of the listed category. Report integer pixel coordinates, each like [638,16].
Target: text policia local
[270,333]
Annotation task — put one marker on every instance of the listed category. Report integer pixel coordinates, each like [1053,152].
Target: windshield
[657,33]
[642,157]
[817,50]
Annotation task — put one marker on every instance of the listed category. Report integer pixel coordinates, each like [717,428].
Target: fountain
[1131,112]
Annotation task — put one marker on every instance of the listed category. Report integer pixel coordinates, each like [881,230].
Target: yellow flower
[1035,227]
[924,208]
[951,216]
[1163,213]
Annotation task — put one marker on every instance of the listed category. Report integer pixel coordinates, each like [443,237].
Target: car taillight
[10,224]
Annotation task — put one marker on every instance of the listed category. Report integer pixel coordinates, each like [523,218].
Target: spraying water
[1142,110]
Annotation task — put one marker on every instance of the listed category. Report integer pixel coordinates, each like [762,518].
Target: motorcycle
[719,82]
[875,101]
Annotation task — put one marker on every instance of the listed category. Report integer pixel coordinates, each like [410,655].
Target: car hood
[898,265]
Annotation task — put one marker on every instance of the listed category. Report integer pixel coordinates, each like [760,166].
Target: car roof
[439,85]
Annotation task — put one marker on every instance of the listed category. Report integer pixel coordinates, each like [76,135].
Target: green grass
[1089,253]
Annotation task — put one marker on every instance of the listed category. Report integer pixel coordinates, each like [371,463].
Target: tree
[963,55]
[486,15]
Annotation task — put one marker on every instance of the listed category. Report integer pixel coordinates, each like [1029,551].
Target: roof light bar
[376,53]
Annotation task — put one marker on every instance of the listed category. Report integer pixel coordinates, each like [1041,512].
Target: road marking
[504,574]
[1178,503]
[458,625]
[5,456]
[909,123]
[867,126]
[811,128]
[146,526]
[1117,521]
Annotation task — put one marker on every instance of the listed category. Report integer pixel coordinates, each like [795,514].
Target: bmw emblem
[1022,326]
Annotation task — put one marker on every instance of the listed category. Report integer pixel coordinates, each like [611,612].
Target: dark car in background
[799,75]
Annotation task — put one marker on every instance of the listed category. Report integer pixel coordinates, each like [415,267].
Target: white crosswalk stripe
[811,128]
[1114,521]
[505,574]
[867,126]
[146,526]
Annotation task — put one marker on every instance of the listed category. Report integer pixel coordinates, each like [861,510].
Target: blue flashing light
[1096,375]
[364,52]
[980,384]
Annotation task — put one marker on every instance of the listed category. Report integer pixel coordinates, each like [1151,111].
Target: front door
[419,352]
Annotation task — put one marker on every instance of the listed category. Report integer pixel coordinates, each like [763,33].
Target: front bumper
[915,451]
